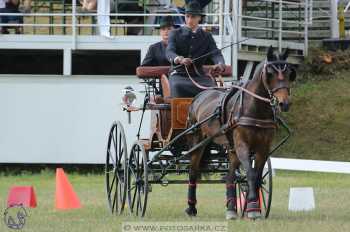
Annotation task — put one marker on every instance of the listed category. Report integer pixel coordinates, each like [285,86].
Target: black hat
[194,8]
[166,21]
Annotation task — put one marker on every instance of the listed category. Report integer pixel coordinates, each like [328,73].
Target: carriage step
[166,157]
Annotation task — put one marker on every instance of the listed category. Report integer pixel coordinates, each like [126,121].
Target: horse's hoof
[254,215]
[231,215]
[192,212]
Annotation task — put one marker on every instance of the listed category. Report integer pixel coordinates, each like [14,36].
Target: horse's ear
[284,56]
[270,55]
[293,74]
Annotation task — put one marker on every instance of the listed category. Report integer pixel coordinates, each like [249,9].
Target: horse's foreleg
[244,155]
[194,173]
[231,198]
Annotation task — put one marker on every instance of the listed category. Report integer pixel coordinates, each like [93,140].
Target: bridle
[275,65]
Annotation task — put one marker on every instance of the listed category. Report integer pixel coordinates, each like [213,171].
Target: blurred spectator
[203,3]
[88,5]
[130,7]
[2,10]
[13,6]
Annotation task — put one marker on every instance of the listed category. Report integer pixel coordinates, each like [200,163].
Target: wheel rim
[115,172]
[137,180]
[266,189]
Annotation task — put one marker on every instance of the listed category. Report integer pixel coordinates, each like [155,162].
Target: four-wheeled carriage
[129,177]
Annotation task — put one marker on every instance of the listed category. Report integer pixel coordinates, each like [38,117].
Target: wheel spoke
[132,188]
[262,186]
[111,157]
[263,197]
[114,142]
[111,186]
[132,172]
[114,201]
[133,198]
[138,200]
[265,175]
[121,193]
[120,144]
[119,161]
[138,160]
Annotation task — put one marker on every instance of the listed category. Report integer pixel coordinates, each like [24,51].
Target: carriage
[130,174]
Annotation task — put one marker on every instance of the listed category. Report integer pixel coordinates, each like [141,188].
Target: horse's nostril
[284,106]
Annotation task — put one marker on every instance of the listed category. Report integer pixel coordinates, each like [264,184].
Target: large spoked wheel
[265,191]
[116,168]
[137,180]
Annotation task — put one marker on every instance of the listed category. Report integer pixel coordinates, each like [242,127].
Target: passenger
[156,52]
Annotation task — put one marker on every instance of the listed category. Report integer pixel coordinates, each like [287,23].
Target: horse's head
[277,77]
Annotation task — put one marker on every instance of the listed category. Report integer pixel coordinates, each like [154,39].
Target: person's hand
[219,68]
[184,61]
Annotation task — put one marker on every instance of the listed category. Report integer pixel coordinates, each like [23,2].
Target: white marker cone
[301,199]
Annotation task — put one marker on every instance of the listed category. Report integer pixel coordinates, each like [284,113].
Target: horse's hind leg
[194,173]
[231,198]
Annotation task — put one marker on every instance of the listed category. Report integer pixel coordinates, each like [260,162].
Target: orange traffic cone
[66,198]
[241,200]
[261,199]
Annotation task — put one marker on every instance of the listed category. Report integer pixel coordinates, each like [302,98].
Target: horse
[245,128]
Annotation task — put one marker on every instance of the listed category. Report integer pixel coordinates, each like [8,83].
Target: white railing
[228,21]
[307,20]
[225,19]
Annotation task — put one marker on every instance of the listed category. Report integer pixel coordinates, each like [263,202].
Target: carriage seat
[161,71]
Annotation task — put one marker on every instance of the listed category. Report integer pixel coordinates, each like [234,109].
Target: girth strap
[247,121]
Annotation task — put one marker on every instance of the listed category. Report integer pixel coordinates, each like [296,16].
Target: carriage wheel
[265,191]
[138,180]
[115,168]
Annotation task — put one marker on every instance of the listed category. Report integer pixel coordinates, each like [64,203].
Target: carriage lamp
[128,99]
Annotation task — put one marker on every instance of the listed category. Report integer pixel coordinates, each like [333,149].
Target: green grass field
[319,117]
[168,203]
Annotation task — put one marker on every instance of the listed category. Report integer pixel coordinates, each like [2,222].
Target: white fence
[311,165]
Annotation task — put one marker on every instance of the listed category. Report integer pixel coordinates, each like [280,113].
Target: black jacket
[156,56]
[184,42]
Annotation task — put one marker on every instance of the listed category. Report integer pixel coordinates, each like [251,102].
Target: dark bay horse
[246,128]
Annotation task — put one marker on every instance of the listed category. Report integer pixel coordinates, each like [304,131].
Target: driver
[185,44]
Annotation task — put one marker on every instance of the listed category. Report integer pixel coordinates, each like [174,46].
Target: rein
[272,100]
[264,99]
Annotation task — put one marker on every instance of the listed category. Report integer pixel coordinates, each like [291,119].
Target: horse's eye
[269,75]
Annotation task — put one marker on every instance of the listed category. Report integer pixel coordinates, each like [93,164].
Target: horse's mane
[258,69]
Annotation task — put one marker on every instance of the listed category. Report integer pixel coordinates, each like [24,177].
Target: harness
[234,118]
